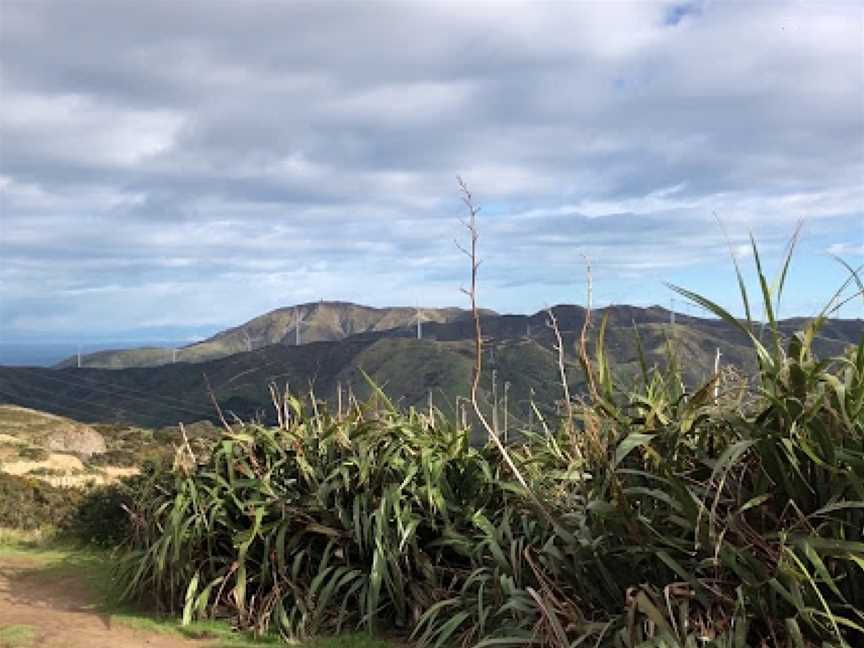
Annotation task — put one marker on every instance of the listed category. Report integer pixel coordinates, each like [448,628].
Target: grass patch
[226,637]
[37,545]
[355,640]
[17,636]
[26,539]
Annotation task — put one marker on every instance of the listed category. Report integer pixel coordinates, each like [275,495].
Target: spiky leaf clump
[727,515]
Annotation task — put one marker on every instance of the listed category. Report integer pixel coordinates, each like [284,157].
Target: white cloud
[245,146]
[846,249]
[78,128]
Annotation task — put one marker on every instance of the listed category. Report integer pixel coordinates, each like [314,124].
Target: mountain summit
[323,321]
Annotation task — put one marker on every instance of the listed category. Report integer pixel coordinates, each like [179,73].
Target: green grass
[12,539]
[218,634]
[17,636]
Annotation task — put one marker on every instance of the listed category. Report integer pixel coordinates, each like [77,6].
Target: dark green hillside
[176,392]
[407,368]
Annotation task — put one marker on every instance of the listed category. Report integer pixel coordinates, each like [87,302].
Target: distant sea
[46,354]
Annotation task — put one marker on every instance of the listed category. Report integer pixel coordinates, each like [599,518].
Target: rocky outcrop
[80,440]
[53,433]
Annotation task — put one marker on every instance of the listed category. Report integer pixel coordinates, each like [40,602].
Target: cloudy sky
[186,165]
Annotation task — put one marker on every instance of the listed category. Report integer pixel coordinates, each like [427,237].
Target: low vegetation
[648,515]
[93,515]
[17,636]
[29,503]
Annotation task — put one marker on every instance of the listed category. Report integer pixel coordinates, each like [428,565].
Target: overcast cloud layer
[192,164]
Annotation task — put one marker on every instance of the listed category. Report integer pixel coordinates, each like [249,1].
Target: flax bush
[726,515]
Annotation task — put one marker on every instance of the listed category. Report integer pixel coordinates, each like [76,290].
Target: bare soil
[64,613]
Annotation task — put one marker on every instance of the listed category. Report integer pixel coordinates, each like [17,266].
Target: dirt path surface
[62,611]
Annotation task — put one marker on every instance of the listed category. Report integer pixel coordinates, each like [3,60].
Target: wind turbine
[834,307]
[252,341]
[717,376]
[506,409]
[419,323]
[298,322]
[79,356]
[495,401]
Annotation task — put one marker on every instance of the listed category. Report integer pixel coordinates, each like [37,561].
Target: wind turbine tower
[298,322]
[506,409]
[717,376]
[834,307]
[419,323]
[495,401]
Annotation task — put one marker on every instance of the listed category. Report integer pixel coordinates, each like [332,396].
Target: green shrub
[376,500]
[93,515]
[116,457]
[33,453]
[41,471]
[654,517]
[672,517]
[99,516]
[27,503]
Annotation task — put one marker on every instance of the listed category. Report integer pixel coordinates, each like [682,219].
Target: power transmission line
[160,398]
[111,391]
[52,404]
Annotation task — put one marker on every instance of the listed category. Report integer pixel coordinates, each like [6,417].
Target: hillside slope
[320,322]
[407,368]
[24,426]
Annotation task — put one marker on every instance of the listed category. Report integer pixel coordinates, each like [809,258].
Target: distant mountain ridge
[332,321]
[519,350]
[323,321]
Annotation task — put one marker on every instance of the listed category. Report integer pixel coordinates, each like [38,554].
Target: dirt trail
[63,613]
